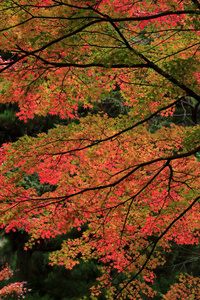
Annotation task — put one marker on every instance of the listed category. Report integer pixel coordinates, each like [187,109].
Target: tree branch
[155,244]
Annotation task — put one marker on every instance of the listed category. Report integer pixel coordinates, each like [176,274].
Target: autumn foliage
[187,288]
[12,288]
[134,191]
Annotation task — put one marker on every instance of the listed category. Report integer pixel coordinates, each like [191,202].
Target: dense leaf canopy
[135,190]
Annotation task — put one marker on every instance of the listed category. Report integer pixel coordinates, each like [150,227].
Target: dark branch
[122,131]
[168,159]
[155,244]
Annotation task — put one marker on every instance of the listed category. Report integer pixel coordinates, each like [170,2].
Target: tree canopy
[133,191]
